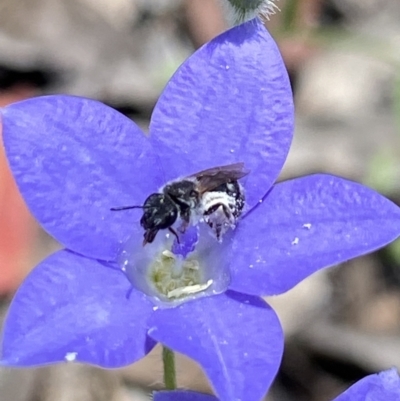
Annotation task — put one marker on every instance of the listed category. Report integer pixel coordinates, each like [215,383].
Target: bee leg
[218,229]
[149,236]
[185,216]
[227,212]
[212,209]
[225,209]
[175,233]
[182,228]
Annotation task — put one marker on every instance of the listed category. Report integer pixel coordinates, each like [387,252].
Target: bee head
[160,212]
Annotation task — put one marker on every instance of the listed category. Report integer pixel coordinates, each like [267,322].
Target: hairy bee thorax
[183,193]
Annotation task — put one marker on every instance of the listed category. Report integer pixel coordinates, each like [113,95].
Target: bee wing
[209,179]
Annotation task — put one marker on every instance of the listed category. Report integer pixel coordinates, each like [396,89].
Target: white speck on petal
[155,307]
[307,225]
[151,331]
[251,266]
[232,151]
[227,67]
[295,241]
[70,356]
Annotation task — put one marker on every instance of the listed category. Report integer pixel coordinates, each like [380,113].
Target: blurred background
[344,62]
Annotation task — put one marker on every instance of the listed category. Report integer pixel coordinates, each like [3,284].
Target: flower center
[171,273]
[176,277]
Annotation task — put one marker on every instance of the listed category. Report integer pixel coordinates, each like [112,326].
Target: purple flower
[182,395]
[384,386]
[106,299]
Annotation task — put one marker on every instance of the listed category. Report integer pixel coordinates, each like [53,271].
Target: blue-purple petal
[236,338]
[182,395]
[384,386]
[229,102]
[71,308]
[304,225]
[73,160]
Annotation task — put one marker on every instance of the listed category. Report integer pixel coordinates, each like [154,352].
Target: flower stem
[168,357]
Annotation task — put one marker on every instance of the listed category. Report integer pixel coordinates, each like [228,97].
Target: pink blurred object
[17,226]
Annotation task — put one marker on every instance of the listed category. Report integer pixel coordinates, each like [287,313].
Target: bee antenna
[117,209]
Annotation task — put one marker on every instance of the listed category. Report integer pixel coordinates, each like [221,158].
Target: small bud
[247,9]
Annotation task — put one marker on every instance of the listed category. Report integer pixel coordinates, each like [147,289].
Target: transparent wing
[209,179]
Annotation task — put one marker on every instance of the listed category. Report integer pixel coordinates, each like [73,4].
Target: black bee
[213,194]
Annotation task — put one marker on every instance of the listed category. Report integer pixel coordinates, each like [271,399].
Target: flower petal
[229,102]
[182,395]
[73,160]
[384,386]
[236,338]
[304,225]
[71,308]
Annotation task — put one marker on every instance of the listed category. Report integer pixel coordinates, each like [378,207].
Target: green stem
[168,357]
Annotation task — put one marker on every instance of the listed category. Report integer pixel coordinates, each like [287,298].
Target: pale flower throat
[171,273]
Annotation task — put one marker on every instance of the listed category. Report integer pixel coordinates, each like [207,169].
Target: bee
[213,195]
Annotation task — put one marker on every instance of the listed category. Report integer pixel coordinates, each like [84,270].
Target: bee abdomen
[222,207]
